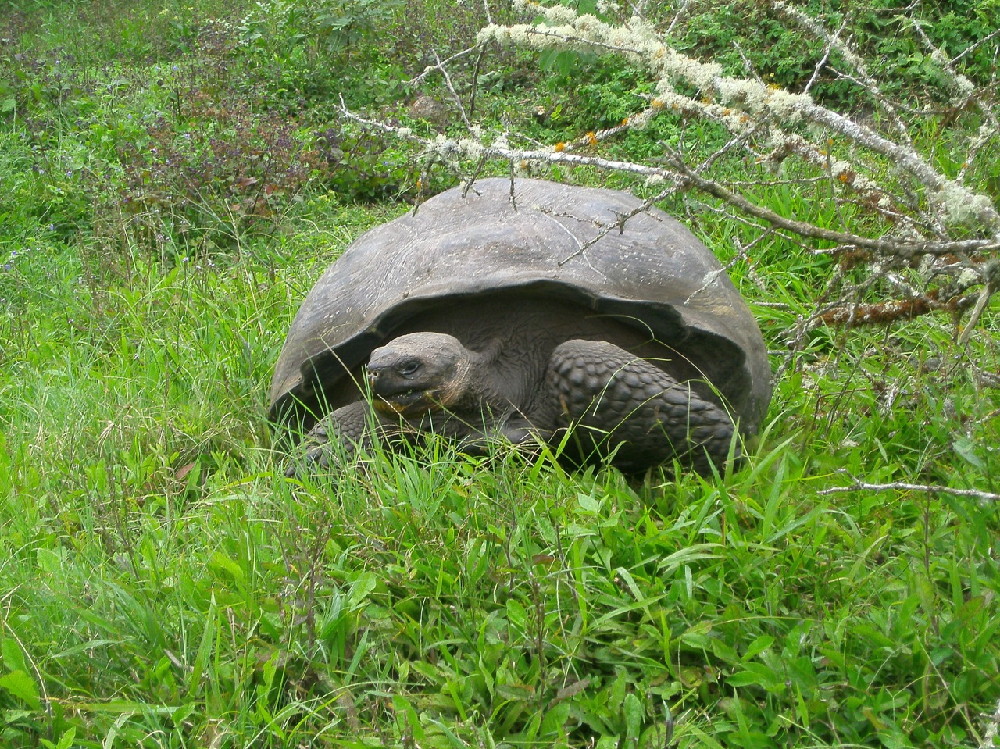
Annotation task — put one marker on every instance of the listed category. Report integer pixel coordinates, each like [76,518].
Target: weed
[166,586]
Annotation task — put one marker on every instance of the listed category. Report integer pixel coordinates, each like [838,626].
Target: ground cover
[172,180]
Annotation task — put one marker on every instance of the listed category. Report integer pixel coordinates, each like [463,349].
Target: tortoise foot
[334,440]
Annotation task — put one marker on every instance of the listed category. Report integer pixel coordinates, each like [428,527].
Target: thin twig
[977,312]
[972,48]
[454,94]
[859,485]
[864,78]
[437,66]
[675,20]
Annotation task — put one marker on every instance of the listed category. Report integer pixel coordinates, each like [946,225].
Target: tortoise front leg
[622,405]
[339,436]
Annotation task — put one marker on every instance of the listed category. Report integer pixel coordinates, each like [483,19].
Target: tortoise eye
[408,367]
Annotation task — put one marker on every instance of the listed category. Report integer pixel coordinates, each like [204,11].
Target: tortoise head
[419,372]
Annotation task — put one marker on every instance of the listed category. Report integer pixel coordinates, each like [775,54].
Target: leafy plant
[215,175]
[165,585]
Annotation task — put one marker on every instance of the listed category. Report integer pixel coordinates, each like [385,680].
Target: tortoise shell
[600,250]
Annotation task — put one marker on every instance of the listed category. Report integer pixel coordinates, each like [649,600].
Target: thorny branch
[681,175]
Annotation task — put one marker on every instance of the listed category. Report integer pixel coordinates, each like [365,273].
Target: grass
[166,586]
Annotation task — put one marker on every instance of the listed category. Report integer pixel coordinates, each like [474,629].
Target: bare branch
[992,274]
[901,247]
[864,79]
[681,12]
[451,90]
[972,48]
[905,487]
[680,174]
[439,65]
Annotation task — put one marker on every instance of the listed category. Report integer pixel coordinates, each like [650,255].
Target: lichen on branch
[919,210]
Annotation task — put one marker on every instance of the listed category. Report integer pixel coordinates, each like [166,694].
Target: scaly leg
[622,405]
[339,436]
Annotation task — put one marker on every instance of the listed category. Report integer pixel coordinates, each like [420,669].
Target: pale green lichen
[964,86]
[786,106]
[967,277]
[641,119]
[961,205]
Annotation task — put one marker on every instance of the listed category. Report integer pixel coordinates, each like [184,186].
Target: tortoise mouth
[407,402]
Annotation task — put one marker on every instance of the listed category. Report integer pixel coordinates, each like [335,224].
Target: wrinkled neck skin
[463,390]
[473,389]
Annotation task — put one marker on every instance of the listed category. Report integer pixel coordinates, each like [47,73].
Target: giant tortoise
[532,312]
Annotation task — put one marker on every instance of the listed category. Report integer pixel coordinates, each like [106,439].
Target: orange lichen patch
[877,314]
[883,313]
[853,258]
[656,104]
[591,138]
[846,177]
[559,147]
[625,122]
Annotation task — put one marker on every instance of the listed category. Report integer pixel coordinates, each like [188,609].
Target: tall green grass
[164,585]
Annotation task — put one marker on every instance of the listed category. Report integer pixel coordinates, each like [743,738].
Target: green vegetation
[172,180]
